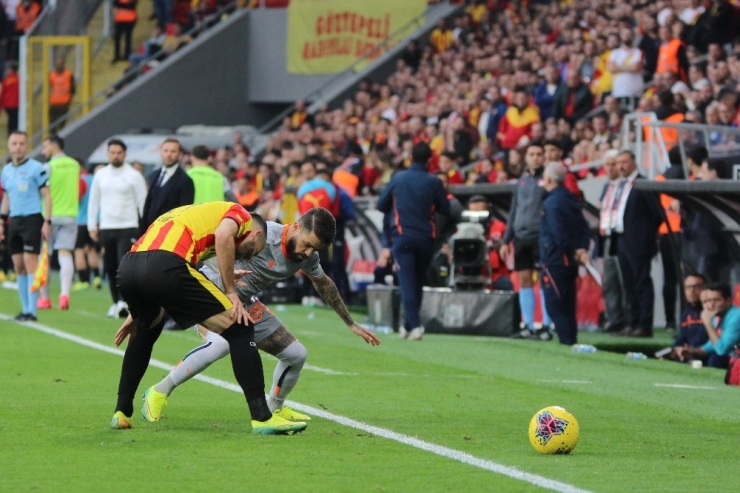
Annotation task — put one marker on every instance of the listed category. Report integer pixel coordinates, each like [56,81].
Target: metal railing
[129,76]
[645,136]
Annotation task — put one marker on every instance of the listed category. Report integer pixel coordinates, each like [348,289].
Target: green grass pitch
[645,425]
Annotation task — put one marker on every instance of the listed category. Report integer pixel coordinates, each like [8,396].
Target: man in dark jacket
[412,198]
[573,99]
[169,187]
[564,239]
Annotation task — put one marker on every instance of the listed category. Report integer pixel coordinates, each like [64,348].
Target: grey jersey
[271,265]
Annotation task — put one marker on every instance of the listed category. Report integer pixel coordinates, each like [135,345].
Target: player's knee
[294,355]
[219,345]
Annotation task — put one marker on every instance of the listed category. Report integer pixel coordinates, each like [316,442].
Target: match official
[413,198]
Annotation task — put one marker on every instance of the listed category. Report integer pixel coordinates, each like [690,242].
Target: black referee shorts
[526,254]
[24,234]
[149,281]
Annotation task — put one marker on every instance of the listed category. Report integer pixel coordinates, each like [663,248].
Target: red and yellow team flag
[327,36]
[41,276]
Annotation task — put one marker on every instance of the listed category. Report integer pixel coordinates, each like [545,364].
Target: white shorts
[63,233]
[265,322]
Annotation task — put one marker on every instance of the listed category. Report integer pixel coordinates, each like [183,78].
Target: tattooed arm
[328,290]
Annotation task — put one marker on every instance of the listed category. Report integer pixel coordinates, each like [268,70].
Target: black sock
[135,361]
[83,275]
[247,366]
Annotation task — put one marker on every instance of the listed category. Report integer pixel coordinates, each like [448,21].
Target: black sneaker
[543,334]
[30,318]
[525,333]
[21,317]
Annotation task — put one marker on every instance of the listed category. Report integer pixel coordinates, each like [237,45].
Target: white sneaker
[121,309]
[416,334]
[113,311]
[402,332]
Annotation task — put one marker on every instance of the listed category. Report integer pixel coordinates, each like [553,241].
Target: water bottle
[383,329]
[584,348]
[636,356]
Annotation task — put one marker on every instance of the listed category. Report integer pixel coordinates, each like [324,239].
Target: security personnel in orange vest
[26,13]
[61,91]
[672,55]
[124,19]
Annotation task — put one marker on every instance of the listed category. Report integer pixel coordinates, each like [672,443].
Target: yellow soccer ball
[553,430]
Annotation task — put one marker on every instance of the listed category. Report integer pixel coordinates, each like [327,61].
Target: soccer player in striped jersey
[289,249]
[159,275]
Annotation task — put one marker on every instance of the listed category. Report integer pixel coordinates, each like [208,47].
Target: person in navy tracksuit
[411,199]
[564,241]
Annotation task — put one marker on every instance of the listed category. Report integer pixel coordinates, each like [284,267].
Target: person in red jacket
[517,121]
[10,95]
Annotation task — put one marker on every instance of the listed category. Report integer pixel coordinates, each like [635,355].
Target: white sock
[194,362]
[286,374]
[66,271]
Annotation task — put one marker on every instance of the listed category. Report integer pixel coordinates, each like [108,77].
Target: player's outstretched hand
[238,274]
[366,334]
[127,329]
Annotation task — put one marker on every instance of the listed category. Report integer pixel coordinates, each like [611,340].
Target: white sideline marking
[325,371]
[574,382]
[683,386]
[465,458]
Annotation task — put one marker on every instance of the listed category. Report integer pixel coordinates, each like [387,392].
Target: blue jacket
[730,325]
[692,331]
[412,198]
[563,229]
[544,101]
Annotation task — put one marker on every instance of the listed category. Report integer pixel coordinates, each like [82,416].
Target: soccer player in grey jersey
[289,249]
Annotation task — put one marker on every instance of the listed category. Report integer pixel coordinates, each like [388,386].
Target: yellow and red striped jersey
[190,231]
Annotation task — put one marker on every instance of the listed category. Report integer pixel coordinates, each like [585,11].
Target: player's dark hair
[722,288]
[201,152]
[321,222]
[698,154]
[258,222]
[56,140]
[18,132]
[421,153]
[117,142]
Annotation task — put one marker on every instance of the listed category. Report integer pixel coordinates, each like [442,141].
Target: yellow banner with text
[327,36]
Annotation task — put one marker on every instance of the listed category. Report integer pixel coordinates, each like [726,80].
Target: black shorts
[24,234]
[526,254]
[149,281]
[83,238]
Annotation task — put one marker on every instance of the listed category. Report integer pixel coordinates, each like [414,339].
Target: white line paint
[439,450]
[573,382]
[683,386]
[326,371]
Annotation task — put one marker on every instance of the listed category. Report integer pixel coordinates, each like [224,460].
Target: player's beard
[246,250]
[292,254]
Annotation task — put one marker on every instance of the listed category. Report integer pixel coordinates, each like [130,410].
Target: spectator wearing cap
[564,240]
[412,199]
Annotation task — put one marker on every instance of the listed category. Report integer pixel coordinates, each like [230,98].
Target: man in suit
[637,222]
[169,187]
